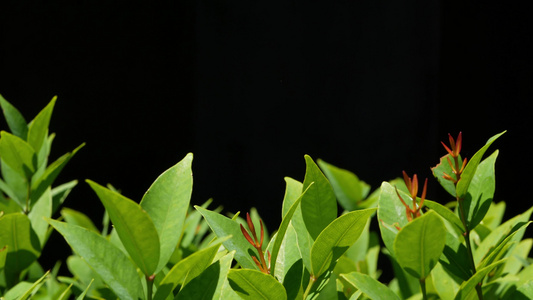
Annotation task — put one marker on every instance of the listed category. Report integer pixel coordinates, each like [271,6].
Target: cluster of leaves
[162,248]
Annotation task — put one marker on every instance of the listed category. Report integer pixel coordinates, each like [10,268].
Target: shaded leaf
[42,209]
[469,286]
[75,217]
[16,122]
[23,290]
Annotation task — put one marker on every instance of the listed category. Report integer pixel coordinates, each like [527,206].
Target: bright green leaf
[109,262]
[293,190]
[16,122]
[38,127]
[319,205]
[222,227]
[134,227]
[370,286]
[42,209]
[471,167]
[336,238]
[23,290]
[167,201]
[480,192]
[82,295]
[50,174]
[391,214]
[447,214]
[18,154]
[283,229]
[255,285]
[75,217]
[443,167]
[348,188]
[419,244]
[469,286]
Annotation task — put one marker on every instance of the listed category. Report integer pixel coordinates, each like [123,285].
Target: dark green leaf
[16,122]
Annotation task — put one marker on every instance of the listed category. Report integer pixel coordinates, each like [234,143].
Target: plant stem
[312,280]
[27,208]
[149,286]
[423,288]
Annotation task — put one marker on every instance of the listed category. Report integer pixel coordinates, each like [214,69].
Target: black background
[251,86]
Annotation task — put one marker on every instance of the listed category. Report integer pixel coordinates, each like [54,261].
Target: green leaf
[22,243]
[289,264]
[50,174]
[391,214]
[134,227]
[480,192]
[469,286]
[283,229]
[109,262]
[447,214]
[38,128]
[16,122]
[319,205]
[371,287]
[419,244]
[18,154]
[444,284]
[24,289]
[293,190]
[222,227]
[254,285]
[471,167]
[336,238]
[455,258]
[60,193]
[443,167]
[82,295]
[167,201]
[346,185]
[188,268]
[41,209]
[75,217]
[208,285]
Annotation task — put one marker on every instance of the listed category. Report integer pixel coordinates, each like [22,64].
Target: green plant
[162,248]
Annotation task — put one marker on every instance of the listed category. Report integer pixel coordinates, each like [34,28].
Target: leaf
[471,167]
[22,243]
[222,227]
[41,209]
[455,258]
[480,192]
[189,267]
[60,193]
[254,285]
[134,227]
[336,238]
[319,205]
[50,174]
[371,287]
[82,295]
[391,213]
[289,265]
[38,128]
[167,201]
[468,286]
[109,262]
[447,214]
[16,122]
[419,244]
[75,217]
[208,285]
[346,185]
[443,167]
[283,229]
[293,190]
[23,290]
[18,154]
[444,284]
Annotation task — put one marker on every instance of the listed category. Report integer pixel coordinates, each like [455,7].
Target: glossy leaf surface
[255,285]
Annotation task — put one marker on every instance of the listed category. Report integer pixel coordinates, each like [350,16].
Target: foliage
[162,248]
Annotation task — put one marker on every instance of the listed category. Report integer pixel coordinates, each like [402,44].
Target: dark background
[251,86]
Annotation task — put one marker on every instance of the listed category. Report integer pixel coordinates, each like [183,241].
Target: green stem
[423,288]
[312,280]
[149,285]
[27,208]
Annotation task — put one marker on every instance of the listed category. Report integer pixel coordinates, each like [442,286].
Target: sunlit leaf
[255,285]
[370,286]
[38,127]
[75,217]
[18,154]
[469,286]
